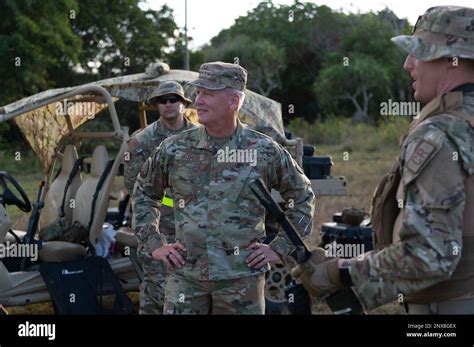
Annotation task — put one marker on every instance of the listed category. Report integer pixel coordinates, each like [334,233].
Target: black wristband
[345,275]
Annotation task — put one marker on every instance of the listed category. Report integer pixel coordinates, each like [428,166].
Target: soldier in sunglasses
[170,102]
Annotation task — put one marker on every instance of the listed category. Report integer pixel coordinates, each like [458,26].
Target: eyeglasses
[164,99]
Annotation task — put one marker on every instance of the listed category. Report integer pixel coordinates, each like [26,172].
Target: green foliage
[303,33]
[365,72]
[370,36]
[27,164]
[67,42]
[263,59]
[352,137]
[176,58]
[119,38]
[313,40]
[35,36]
[293,53]
[357,82]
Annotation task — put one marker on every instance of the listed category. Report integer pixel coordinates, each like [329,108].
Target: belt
[460,306]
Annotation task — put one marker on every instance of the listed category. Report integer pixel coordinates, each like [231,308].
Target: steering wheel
[7,197]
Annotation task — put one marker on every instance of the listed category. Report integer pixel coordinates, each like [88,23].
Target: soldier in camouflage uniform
[171,103]
[423,210]
[219,261]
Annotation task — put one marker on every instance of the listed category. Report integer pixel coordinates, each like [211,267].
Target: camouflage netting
[259,112]
[44,125]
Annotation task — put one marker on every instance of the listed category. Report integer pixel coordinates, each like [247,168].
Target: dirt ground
[361,169]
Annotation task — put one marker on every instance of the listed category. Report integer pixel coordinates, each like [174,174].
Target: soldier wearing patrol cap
[171,102]
[423,210]
[219,263]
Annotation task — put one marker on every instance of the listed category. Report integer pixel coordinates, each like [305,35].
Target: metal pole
[186,51]
[83,90]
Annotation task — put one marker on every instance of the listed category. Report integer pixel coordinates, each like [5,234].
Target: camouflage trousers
[152,288]
[235,296]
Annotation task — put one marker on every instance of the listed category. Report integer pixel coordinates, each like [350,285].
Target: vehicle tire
[277,280]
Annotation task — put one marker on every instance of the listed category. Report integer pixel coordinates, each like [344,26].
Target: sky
[206,18]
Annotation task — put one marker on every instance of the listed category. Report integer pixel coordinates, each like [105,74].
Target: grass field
[362,171]
[371,152]
[360,153]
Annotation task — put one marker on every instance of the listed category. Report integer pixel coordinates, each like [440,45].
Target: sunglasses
[164,100]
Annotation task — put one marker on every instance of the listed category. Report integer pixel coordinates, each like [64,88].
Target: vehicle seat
[126,237]
[85,193]
[103,199]
[55,194]
[59,251]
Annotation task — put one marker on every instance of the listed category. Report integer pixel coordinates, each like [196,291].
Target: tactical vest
[385,211]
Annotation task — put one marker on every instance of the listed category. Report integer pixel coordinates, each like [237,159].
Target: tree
[263,60]
[311,38]
[119,38]
[371,36]
[355,81]
[302,33]
[67,42]
[367,70]
[35,36]
[176,57]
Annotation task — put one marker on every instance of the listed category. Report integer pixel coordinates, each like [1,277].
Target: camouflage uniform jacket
[216,214]
[436,157]
[141,146]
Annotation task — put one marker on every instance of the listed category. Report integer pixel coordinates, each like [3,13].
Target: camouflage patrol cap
[169,87]
[218,75]
[441,32]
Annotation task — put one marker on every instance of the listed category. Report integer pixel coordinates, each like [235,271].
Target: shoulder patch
[145,168]
[422,152]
